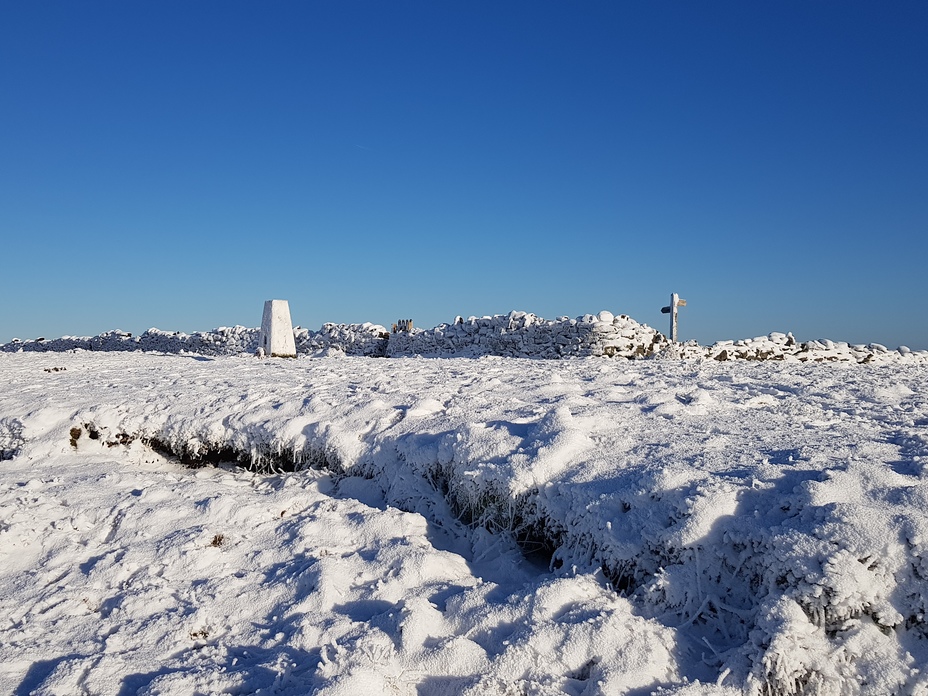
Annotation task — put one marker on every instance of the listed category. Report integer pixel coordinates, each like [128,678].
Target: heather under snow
[485,525]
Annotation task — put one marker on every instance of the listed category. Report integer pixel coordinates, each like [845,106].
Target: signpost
[675,302]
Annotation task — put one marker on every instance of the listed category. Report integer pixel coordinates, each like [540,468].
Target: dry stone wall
[525,335]
[221,341]
[779,346]
[517,334]
[352,339]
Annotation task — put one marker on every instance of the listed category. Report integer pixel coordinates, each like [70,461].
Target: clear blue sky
[175,164]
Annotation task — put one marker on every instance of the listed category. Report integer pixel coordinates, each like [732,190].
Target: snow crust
[706,527]
[517,334]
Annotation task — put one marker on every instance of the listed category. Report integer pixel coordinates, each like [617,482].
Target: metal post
[675,302]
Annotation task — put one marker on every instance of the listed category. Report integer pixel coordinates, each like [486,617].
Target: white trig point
[276,339]
[675,302]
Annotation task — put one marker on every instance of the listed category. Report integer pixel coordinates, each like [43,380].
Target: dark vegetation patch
[11,438]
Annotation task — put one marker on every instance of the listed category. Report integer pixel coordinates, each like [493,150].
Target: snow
[482,525]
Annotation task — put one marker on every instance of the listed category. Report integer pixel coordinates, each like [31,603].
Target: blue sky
[175,164]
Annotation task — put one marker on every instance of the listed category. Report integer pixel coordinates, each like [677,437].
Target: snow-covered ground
[696,526]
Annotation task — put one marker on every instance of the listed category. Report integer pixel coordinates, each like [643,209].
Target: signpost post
[675,302]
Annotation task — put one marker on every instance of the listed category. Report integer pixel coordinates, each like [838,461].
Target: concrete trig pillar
[276,339]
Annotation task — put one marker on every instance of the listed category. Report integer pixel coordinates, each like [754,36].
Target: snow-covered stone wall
[517,334]
[779,346]
[352,339]
[524,335]
[222,341]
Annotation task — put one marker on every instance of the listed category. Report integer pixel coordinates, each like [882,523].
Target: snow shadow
[782,457]
[255,667]
[41,670]
[911,448]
